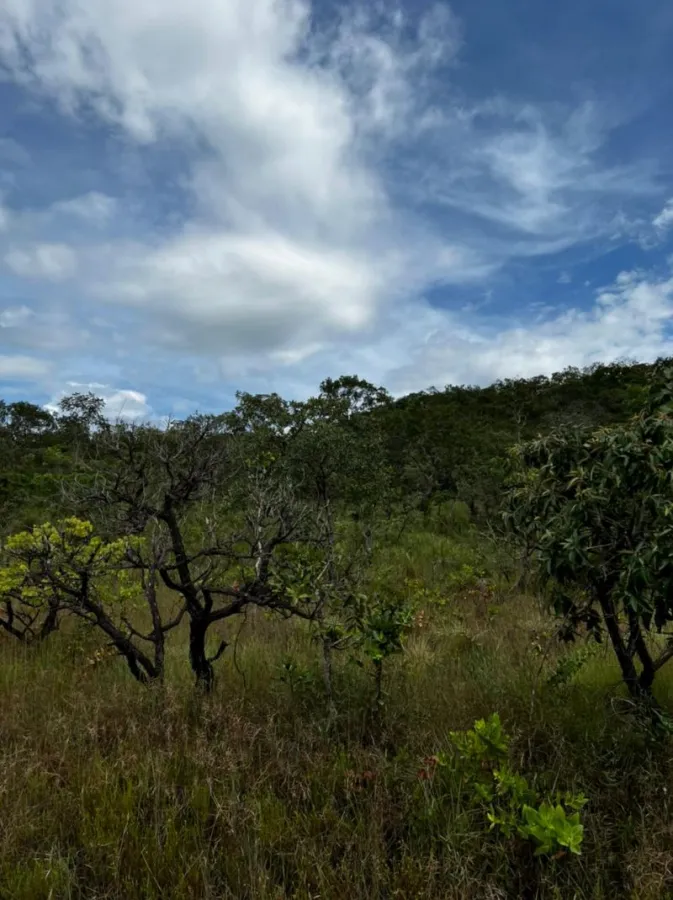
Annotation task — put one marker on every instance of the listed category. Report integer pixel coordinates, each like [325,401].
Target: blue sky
[202,197]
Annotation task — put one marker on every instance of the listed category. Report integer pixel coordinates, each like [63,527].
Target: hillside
[337,648]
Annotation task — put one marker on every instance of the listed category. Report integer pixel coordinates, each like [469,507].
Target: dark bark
[186,585]
[26,627]
[140,665]
[7,623]
[636,637]
[639,686]
[158,629]
[378,682]
[198,658]
[50,623]
[624,658]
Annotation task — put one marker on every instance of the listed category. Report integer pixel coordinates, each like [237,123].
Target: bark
[140,665]
[158,636]
[202,667]
[50,623]
[378,681]
[624,658]
[638,686]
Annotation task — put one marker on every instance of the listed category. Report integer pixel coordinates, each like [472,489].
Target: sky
[199,198]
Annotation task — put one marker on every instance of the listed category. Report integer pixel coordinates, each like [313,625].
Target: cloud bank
[338,198]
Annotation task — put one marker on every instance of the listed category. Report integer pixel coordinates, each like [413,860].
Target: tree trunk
[201,665]
[640,688]
[646,678]
[138,673]
[50,623]
[158,634]
[626,664]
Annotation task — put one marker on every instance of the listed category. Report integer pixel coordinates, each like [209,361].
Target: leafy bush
[593,511]
[512,807]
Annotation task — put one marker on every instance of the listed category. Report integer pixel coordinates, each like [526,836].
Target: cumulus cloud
[295,237]
[120,404]
[664,220]
[284,284]
[23,368]
[91,207]
[53,262]
[630,318]
[333,176]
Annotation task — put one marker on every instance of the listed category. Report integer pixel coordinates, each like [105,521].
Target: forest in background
[427,664]
[447,443]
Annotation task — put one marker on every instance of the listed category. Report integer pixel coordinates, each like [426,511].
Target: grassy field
[109,790]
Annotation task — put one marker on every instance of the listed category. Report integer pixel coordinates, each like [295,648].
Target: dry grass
[108,790]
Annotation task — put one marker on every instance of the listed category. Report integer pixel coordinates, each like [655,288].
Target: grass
[108,790]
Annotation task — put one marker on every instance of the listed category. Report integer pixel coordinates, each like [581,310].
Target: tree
[30,465]
[66,568]
[329,453]
[216,495]
[79,415]
[27,422]
[596,511]
[238,503]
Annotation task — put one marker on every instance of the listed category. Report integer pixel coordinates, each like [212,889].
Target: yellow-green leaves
[59,560]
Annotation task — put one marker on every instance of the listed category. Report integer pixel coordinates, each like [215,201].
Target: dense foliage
[594,508]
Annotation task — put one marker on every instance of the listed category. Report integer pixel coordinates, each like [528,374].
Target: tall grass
[109,790]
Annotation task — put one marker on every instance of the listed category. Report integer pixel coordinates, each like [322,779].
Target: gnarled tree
[225,496]
[52,570]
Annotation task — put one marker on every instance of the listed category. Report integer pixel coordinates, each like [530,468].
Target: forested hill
[455,440]
[448,443]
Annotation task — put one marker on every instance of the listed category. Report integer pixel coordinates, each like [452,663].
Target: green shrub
[478,759]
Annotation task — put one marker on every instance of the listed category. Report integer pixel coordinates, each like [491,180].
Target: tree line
[281,504]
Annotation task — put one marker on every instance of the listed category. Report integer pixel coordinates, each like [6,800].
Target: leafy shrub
[593,512]
[478,758]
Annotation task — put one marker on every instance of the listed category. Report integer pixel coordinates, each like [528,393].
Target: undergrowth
[108,790]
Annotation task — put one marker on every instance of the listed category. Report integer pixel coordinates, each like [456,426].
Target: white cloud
[277,277]
[664,220]
[294,236]
[15,316]
[53,262]
[564,278]
[126,405]
[22,368]
[632,318]
[532,173]
[307,234]
[92,207]
[372,53]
